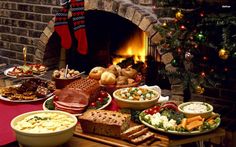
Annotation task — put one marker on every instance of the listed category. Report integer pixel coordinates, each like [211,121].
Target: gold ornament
[164,24]
[179,15]
[223,54]
[199,90]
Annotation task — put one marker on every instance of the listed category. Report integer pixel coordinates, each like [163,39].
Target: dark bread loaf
[88,86]
[137,134]
[125,135]
[104,122]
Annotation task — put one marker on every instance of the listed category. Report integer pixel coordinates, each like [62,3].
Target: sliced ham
[68,109]
[71,100]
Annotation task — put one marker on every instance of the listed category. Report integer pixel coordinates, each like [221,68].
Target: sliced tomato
[100,99]
[93,104]
[103,94]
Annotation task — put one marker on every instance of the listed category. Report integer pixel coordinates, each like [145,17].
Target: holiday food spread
[32,89]
[26,70]
[167,118]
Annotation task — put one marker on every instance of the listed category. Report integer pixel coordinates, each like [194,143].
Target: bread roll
[115,69]
[129,72]
[108,78]
[96,72]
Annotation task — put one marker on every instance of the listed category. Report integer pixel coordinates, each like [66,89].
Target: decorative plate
[178,132]
[30,73]
[48,104]
[23,100]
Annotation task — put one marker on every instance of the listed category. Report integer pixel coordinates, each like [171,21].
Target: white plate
[10,69]
[103,107]
[177,132]
[24,101]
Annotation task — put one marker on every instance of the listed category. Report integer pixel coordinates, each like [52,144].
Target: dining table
[9,110]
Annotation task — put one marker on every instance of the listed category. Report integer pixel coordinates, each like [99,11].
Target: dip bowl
[191,109]
[39,136]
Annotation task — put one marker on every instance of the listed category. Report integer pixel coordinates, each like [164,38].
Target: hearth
[111,40]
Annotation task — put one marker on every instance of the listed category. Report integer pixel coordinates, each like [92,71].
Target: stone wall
[21,24]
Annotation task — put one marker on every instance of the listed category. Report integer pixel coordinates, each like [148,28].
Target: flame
[136,46]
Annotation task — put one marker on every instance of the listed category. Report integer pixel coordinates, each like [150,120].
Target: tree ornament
[182,27]
[205,58]
[203,74]
[179,15]
[226,69]
[174,62]
[223,54]
[179,50]
[188,56]
[200,37]
[199,90]
[164,24]
[234,55]
[202,14]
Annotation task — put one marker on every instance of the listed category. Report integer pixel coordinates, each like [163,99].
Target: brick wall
[21,24]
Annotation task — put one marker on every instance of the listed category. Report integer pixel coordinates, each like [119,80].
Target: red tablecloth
[9,110]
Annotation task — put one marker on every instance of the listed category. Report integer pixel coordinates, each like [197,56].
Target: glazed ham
[71,100]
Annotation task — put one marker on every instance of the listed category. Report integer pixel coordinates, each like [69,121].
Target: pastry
[104,122]
[96,72]
[108,78]
[129,72]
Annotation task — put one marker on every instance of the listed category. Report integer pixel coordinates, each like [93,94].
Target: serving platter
[46,106]
[159,140]
[190,133]
[24,75]
[23,100]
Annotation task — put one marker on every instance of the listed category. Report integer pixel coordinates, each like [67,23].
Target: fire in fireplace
[136,46]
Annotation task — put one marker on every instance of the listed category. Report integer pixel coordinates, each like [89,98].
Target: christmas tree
[203,44]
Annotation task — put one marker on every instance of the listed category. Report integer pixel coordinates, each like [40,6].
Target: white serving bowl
[195,106]
[43,139]
[135,104]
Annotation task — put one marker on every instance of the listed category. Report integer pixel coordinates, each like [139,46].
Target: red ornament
[202,14]
[179,50]
[203,74]
[182,27]
[226,69]
[212,70]
[205,58]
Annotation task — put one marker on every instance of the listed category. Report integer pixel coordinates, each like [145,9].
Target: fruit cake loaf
[104,122]
[89,86]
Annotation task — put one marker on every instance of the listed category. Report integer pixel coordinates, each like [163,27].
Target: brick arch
[141,16]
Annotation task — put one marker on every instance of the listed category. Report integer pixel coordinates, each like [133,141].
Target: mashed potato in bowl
[44,123]
[44,128]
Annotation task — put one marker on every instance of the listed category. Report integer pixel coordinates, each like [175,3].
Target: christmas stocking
[61,27]
[79,25]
